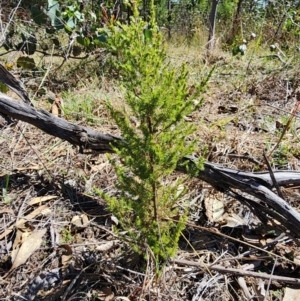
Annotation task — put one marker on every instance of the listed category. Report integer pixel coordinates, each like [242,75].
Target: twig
[270,280]
[275,56]
[247,157]
[61,55]
[67,291]
[129,271]
[242,283]
[241,280]
[272,176]
[237,272]
[237,240]
[2,54]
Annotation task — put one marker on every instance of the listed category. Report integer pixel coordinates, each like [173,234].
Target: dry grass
[244,99]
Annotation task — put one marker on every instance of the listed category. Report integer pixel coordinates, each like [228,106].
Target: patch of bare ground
[48,185]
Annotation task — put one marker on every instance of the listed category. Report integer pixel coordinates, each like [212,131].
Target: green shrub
[157,98]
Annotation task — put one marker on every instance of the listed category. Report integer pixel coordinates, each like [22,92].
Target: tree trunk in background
[236,25]
[212,24]
[169,18]
[144,11]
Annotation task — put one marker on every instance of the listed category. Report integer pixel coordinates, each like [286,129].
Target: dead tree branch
[17,86]
[84,137]
[236,272]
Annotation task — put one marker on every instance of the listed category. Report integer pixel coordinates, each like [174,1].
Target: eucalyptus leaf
[102,37]
[79,16]
[70,25]
[53,12]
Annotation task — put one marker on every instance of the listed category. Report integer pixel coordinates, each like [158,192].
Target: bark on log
[259,185]
[84,137]
[17,86]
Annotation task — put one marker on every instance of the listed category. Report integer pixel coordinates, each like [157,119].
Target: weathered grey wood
[17,86]
[283,177]
[257,185]
[236,272]
[84,137]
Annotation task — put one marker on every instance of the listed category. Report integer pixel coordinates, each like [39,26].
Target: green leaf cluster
[157,99]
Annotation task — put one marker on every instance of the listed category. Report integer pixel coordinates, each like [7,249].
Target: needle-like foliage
[157,99]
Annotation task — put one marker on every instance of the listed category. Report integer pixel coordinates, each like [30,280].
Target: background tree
[237,23]
[212,24]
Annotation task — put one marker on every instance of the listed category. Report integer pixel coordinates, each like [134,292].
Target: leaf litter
[31,243]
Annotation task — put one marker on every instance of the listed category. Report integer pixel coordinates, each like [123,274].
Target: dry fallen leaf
[57,106]
[105,246]
[31,244]
[214,209]
[104,294]
[80,221]
[44,209]
[291,294]
[67,256]
[20,237]
[232,220]
[297,258]
[8,210]
[41,199]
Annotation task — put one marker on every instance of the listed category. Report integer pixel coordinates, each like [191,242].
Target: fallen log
[258,185]
[84,137]
[263,201]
